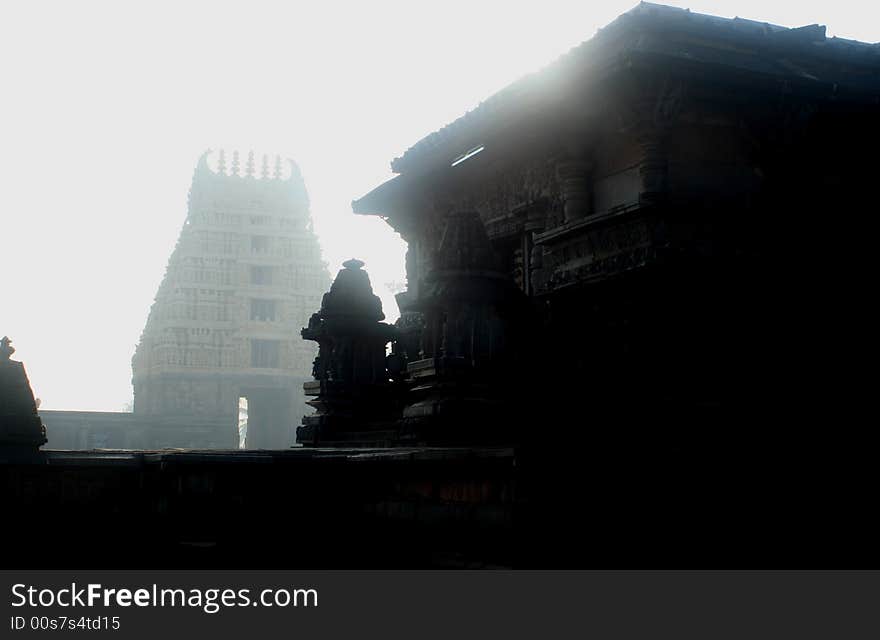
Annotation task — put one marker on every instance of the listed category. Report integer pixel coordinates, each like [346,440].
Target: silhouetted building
[245,274]
[670,197]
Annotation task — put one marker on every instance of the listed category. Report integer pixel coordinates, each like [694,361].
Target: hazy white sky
[106,106]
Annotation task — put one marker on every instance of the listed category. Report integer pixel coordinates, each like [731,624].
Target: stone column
[575,177]
[473,313]
[655,113]
[654,167]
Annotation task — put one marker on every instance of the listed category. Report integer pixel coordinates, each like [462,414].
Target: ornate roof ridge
[277,172]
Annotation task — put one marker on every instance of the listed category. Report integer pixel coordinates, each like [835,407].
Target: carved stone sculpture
[471,310]
[20,426]
[352,386]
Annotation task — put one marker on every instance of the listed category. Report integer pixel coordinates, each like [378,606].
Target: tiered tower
[244,277]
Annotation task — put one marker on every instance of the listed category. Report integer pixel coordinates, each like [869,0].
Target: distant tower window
[263,309]
[261,275]
[265,353]
[260,244]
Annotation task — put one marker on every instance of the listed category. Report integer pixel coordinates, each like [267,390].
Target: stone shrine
[353,390]
[21,430]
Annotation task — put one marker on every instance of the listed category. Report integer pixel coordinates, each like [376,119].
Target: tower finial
[277,174]
[235,163]
[221,162]
[249,167]
[6,348]
[294,170]
[202,166]
[264,170]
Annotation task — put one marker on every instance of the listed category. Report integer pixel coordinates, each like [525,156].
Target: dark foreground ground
[553,506]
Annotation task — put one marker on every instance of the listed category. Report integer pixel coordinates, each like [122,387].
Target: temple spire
[228,208]
[277,174]
[249,167]
[221,162]
[235,163]
[264,170]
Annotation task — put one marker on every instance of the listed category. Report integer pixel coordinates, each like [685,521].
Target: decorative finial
[235,163]
[249,168]
[353,264]
[221,162]
[264,171]
[6,348]
[277,174]
[202,166]
[294,170]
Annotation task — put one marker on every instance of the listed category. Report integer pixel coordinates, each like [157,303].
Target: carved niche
[513,188]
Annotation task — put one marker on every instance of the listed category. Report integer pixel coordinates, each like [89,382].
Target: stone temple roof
[803,53]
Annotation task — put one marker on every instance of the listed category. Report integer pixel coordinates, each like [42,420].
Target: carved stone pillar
[472,311]
[654,167]
[575,177]
[409,328]
[650,108]
[411,263]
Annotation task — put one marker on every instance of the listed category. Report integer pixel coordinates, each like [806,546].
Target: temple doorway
[268,419]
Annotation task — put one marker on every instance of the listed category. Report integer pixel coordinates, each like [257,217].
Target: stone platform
[597,505]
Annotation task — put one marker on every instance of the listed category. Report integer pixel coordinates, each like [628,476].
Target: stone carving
[6,349]
[352,386]
[648,112]
[409,329]
[20,426]
[576,181]
[471,310]
[669,102]
[611,265]
[513,188]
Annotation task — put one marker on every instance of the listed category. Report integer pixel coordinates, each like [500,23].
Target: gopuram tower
[244,277]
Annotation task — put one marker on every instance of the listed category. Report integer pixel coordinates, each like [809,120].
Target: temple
[637,239]
[637,299]
[246,270]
